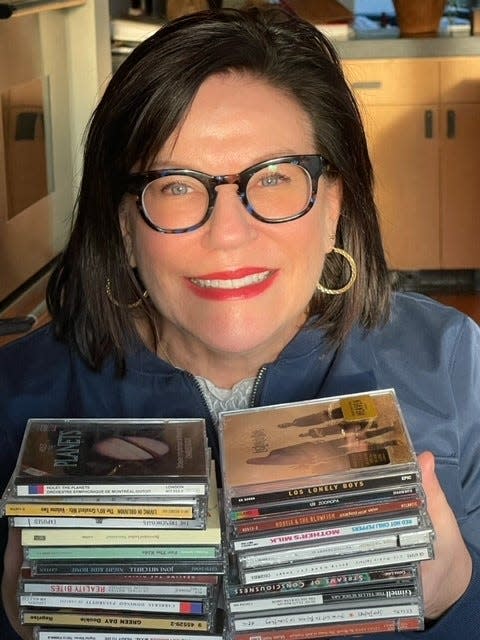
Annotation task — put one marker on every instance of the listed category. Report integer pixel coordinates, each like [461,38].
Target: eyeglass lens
[277,191]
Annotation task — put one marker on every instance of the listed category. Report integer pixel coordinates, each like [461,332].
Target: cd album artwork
[315,438]
[111,449]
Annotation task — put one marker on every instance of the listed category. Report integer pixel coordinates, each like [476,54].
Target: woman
[226,253]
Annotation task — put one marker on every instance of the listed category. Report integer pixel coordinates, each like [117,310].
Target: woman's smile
[241,283]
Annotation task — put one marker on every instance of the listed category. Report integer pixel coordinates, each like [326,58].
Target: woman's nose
[230,223]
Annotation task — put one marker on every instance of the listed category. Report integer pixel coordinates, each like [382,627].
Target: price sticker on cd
[358,408]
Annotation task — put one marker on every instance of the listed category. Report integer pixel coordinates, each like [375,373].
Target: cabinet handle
[428,123]
[367,85]
[451,123]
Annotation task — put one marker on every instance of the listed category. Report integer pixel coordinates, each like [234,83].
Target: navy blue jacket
[429,353]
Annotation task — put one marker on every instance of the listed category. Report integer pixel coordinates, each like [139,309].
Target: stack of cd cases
[325,518]
[120,529]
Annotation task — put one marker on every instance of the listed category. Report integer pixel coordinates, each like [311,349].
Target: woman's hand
[11,573]
[446,578]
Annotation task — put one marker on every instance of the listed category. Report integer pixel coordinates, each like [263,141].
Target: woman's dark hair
[144,102]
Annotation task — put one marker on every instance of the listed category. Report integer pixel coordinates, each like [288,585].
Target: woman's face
[260,276]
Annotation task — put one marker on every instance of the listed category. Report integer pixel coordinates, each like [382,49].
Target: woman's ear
[126,227]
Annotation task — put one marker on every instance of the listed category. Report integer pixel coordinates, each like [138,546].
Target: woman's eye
[175,189]
[273,180]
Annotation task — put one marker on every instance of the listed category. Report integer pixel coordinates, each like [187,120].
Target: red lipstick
[236,284]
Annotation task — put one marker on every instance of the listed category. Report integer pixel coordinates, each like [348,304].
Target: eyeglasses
[182,200]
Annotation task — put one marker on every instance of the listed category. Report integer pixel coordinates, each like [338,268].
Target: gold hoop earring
[114,301]
[351,280]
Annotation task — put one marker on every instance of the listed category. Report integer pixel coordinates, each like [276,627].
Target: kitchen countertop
[408,47]
[364,48]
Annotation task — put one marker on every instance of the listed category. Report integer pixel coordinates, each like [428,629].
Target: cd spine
[315,490]
[366,561]
[314,517]
[312,632]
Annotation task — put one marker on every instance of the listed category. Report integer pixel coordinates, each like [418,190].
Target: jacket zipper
[256,386]
[212,431]
[200,391]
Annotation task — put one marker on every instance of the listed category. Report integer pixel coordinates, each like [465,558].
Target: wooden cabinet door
[399,104]
[404,146]
[460,186]
[460,80]
[422,118]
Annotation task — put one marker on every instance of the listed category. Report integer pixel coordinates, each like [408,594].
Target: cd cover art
[63,450]
[286,445]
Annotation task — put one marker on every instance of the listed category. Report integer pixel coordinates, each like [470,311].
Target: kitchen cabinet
[459,162]
[422,120]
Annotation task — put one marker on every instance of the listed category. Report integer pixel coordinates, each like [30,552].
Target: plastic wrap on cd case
[336,442]
[315,631]
[296,570]
[414,521]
